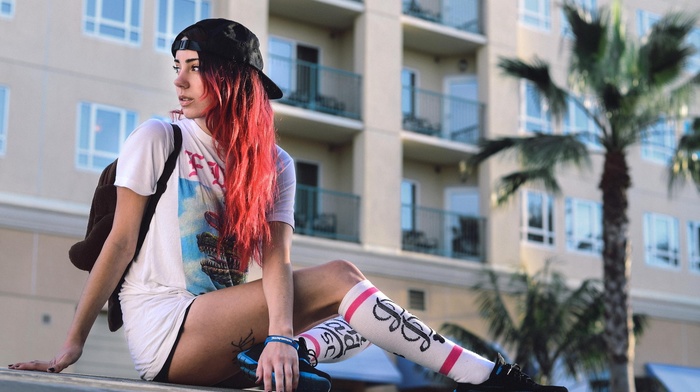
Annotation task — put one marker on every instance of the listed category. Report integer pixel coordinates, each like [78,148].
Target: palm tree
[628,87]
[548,324]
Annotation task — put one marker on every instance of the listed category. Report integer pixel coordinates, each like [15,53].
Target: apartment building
[384,102]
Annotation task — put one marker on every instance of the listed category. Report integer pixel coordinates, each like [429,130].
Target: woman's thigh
[223,323]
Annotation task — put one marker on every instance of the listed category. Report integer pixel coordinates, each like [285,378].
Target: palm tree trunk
[614,185]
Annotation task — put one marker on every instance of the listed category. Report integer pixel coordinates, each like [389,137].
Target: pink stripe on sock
[451,360]
[317,347]
[358,301]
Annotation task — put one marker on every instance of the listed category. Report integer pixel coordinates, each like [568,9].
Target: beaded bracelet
[282,339]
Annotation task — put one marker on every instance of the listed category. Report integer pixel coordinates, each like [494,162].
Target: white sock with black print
[333,341]
[386,324]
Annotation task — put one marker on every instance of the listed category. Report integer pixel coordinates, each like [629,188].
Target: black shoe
[507,378]
[310,378]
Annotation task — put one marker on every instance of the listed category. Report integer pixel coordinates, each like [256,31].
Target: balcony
[442,233]
[327,214]
[442,129]
[443,27]
[321,89]
[336,14]
[462,15]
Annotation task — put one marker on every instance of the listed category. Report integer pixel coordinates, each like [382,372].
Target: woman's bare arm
[115,256]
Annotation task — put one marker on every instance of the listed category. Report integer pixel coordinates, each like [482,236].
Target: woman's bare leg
[222,323]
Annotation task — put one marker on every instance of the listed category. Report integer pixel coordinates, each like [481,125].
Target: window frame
[128,120]
[660,153]
[4,118]
[574,239]
[411,207]
[591,131]
[693,235]
[529,232]
[541,18]
[652,254]
[527,90]
[129,26]
[165,35]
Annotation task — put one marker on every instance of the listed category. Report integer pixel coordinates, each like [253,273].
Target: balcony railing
[328,214]
[442,116]
[444,233]
[317,88]
[461,14]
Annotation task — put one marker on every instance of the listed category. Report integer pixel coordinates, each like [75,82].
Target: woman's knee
[345,271]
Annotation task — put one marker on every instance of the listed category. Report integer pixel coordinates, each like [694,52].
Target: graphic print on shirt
[205,268]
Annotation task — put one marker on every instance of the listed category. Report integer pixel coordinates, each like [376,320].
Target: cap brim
[273,91]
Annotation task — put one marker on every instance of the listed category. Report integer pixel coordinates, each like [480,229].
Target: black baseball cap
[230,40]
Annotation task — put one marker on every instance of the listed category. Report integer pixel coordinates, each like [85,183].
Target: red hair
[242,125]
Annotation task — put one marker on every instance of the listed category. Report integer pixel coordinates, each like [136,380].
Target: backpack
[83,254]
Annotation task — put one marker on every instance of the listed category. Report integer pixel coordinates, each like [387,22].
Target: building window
[536,13]
[577,122]
[534,111]
[645,21]
[587,5]
[408,205]
[584,223]
[693,65]
[4,115]
[117,20]
[694,245]
[295,69]
[174,16]
[538,218]
[661,240]
[7,8]
[416,299]
[408,98]
[659,141]
[102,130]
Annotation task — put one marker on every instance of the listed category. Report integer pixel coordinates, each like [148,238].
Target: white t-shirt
[178,259]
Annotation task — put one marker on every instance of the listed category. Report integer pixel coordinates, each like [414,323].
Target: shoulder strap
[160,188]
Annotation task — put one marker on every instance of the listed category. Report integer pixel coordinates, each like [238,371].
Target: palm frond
[590,40]
[666,50]
[685,163]
[493,309]
[537,150]
[537,72]
[509,184]
[539,155]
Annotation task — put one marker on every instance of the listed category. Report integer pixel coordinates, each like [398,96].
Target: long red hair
[242,125]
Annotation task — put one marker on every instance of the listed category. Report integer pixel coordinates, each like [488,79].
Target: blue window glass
[118,20]
[102,130]
[174,15]
[7,8]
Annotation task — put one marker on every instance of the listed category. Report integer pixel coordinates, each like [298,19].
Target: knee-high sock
[334,340]
[386,324]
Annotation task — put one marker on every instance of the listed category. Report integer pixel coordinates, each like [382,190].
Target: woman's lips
[184,101]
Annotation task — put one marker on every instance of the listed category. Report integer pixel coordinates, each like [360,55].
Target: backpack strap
[160,188]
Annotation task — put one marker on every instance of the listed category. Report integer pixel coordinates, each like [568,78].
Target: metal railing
[328,214]
[461,14]
[442,116]
[444,233]
[317,88]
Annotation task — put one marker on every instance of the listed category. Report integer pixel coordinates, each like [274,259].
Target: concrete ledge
[24,381]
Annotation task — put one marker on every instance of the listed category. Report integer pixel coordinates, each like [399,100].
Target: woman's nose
[180,81]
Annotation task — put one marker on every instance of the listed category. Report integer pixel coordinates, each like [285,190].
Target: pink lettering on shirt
[197,162]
